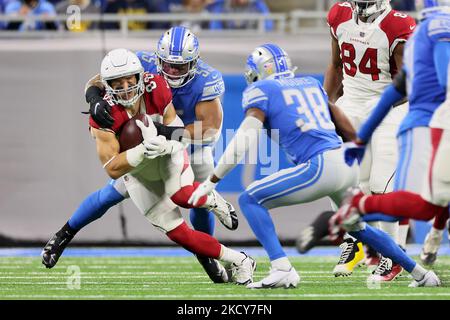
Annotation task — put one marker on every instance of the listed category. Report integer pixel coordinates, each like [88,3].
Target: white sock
[390,228]
[437,231]
[402,235]
[418,272]
[348,236]
[231,256]
[282,264]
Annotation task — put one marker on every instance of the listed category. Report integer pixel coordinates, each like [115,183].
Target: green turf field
[182,278]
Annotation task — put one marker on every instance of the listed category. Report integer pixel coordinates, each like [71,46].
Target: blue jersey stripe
[313,180]
[283,187]
[278,177]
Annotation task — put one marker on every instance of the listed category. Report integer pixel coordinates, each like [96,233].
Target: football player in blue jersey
[297,111]
[196,89]
[424,79]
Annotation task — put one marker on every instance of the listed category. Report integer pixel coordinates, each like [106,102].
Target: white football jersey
[367,53]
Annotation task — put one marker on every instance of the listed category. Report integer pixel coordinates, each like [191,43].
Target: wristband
[135,155]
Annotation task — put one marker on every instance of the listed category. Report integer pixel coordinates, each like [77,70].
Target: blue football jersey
[206,85]
[298,109]
[424,91]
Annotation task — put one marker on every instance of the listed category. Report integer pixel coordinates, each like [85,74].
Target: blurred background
[50,48]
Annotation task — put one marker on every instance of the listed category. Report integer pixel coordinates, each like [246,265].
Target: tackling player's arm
[116,163]
[210,114]
[333,76]
[99,109]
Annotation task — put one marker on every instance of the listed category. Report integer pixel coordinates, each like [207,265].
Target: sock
[202,220]
[400,204]
[403,233]
[197,242]
[231,256]
[282,264]
[440,220]
[385,245]
[262,225]
[182,196]
[348,236]
[418,272]
[68,230]
[95,206]
[435,231]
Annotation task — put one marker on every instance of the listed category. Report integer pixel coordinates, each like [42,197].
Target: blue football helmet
[267,61]
[427,7]
[177,50]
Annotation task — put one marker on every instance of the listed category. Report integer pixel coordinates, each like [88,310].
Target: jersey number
[312,108]
[368,64]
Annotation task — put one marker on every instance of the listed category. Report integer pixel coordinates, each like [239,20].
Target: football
[131,134]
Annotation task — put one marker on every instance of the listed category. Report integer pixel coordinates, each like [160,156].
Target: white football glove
[147,132]
[203,189]
[157,146]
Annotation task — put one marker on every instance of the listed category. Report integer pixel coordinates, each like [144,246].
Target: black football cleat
[216,272]
[315,233]
[56,245]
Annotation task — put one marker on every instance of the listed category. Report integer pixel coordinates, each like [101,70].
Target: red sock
[402,204]
[403,222]
[440,220]
[182,196]
[194,241]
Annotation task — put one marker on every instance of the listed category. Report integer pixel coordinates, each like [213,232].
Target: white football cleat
[430,248]
[429,280]
[224,211]
[277,279]
[243,273]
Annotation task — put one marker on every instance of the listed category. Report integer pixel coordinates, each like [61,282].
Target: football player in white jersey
[367,39]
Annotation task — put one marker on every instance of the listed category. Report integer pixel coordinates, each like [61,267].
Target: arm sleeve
[246,136]
[441,61]
[399,82]
[389,97]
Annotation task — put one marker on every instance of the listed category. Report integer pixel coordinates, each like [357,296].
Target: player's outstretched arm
[344,127]
[391,95]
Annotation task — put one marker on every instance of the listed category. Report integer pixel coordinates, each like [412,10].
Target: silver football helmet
[120,63]
[268,61]
[177,50]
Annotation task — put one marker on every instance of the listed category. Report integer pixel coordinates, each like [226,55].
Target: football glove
[353,151]
[99,109]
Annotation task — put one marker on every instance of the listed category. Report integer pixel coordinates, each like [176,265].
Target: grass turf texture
[172,278]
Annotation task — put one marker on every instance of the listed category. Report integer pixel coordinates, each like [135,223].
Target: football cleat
[385,271]
[243,273]
[429,280]
[430,248]
[224,211]
[313,235]
[352,255]
[372,258]
[277,279]
[216,272]
[55,247]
